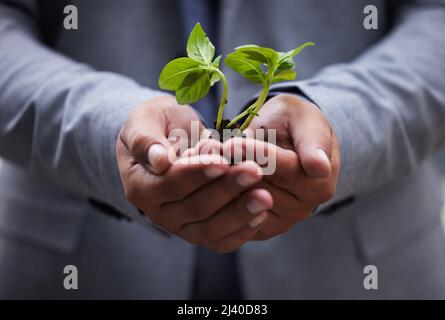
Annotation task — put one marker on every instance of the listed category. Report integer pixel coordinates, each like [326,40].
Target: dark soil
[223,134]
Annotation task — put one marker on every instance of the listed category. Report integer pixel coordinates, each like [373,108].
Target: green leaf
[217,61]
[214,78]
[195,86]
[175,71]
[286,61]
[286,75]
[294,52]
[264,55]
[287,64]
[248,68]
[199,46]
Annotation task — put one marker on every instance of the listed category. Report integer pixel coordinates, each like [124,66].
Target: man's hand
[199,196]
[307,161]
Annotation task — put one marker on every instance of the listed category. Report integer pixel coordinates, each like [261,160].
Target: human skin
[307,161]
[222,206]
[206,201]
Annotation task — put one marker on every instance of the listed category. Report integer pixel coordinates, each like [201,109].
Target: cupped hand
[198,195]
[307,159]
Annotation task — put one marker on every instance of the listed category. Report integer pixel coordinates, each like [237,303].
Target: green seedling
[191,77]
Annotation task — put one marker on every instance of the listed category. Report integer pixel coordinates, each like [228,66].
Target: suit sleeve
[388,106]
[60,119]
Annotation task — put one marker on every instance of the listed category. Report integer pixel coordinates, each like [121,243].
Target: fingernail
[255,222]
[245,179]
[254,206]
[213,172]
[155,154]
[323,156]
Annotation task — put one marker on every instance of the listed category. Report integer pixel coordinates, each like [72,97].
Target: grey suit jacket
[64,95]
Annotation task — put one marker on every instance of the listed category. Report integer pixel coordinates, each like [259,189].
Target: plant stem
[242,115]
[223,97]
[259,103]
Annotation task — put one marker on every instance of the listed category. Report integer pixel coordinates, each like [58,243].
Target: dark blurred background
[440,160]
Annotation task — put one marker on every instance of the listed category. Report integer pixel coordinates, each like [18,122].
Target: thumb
[158,160]
[313,144]
[147,142]
[314,160]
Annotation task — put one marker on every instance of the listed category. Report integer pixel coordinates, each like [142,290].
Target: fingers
[235,240]
[206,146]
[335,158]
[158,160]
[312,137]
[209,199]
[286,205]
[242,211]
[280,166]
[157,130]
[187,175]
[144,134]
[314,159]
[148,192]
[300,125]
[204,199]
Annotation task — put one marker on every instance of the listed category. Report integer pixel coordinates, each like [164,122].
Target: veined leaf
[294,52]
[287,64]
[248,68]
[215,76]
[199,46]
[264,55]
[194,87]
[175,71]
[286,75]
[217,61]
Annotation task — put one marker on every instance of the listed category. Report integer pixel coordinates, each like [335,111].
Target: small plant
[191,77]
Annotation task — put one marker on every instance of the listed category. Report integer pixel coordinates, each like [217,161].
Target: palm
[277,117]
